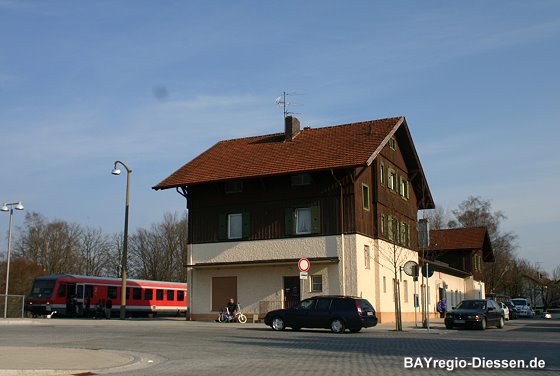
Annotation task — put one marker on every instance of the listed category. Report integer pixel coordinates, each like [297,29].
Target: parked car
[336,313]
[479,313]
[505,311]
[512,310]
[523,307]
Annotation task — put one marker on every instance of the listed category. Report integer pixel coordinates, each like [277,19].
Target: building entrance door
[291,291]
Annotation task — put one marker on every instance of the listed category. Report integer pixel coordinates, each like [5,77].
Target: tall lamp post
[10,208]
[124,262]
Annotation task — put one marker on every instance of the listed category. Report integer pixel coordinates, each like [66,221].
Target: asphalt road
[177,347]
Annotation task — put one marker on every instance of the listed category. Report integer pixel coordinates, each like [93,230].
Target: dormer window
[233,186]
[300,180]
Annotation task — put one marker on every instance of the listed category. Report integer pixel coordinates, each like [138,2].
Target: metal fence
[15,307]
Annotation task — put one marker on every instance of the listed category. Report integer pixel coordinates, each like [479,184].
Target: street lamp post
[124,262]
[10,208]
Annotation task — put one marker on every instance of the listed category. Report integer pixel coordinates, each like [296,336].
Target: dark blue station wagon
[336,313]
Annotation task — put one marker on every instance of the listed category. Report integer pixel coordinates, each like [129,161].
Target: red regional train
[78,295]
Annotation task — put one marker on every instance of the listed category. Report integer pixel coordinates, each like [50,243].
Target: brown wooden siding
[365,220]
[266,201]
[390,202]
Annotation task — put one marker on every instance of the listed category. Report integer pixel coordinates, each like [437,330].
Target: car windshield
[519,302]
[472,304]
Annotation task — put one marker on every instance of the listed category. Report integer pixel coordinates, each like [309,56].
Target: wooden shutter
[315,219]
[289,221]
[222,227]
[246,223]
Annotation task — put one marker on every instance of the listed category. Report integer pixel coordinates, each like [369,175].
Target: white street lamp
[10,208]
[124,262]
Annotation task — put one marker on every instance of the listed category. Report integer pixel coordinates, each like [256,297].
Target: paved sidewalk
[69,361]
[16,360]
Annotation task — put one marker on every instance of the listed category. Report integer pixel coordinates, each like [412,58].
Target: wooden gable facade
[465,249]
[361,178]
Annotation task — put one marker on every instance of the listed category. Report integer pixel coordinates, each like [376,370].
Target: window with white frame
[235,226]
[366,257]
[404,188]
[405,234]
[392,180]
[317,283]
[393,143]
[382,174]
[365,196]
[303,221]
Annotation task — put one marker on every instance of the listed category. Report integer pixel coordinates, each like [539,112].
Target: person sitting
[231,309]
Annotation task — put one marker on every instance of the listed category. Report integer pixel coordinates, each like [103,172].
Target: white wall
[276,249]
[258,283]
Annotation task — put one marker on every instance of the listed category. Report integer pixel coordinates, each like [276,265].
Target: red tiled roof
[458,238]
[464,238]
[341,146]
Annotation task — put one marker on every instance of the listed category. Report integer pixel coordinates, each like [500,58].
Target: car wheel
[501,324]
[483,324]
[337,326]
[278,323]
[355,330]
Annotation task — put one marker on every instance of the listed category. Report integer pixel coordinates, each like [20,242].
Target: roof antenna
[282,102]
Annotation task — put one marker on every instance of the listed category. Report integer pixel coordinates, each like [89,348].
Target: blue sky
[84,83]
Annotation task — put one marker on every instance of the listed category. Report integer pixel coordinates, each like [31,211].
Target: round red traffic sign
[303,264]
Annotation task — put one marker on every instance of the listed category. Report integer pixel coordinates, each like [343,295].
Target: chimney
[292,127]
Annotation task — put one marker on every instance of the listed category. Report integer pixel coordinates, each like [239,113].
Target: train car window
[170,294]
[112,292]
[148,294]
[159,294]
[62,290]
[180,295]
[80,291]
[136,293]
[88,291]
[127,293]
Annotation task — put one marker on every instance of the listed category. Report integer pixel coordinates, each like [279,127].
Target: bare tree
[53,245]
[113,264]
[475,211]
[158,253]
[438,218]
[94,252]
